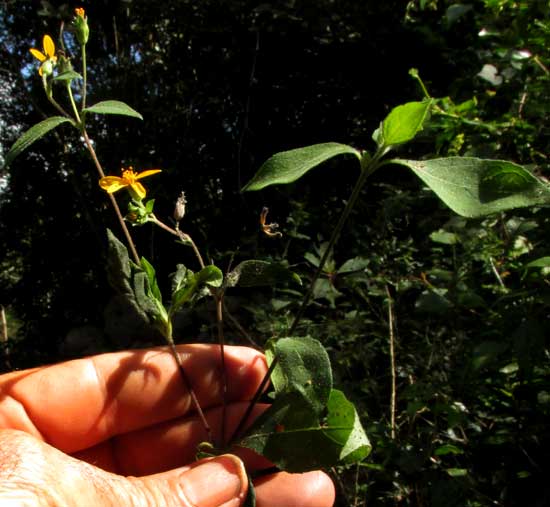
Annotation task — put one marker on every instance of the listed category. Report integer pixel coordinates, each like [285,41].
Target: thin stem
[188,386]
[84,76]
[371,166]
[73,104]
[181,235]
[221,339]
[54,102]
[368,167]
[392,362]
[111,197]
[254,400]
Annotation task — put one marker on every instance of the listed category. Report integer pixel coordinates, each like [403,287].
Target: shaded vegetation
[224,85]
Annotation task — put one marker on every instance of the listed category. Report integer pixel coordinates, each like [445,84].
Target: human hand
[119,429]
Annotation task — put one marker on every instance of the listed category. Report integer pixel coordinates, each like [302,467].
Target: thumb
[35,474]
[215,482]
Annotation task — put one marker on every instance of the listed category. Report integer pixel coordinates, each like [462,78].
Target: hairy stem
[111,197]
[368,166]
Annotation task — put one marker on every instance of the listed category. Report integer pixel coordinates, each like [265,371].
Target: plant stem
[181,235]
[84,76]
[73,104]
[392,362]
[366,170]
[111,197]
[218,296]
[188,386]
[368,166]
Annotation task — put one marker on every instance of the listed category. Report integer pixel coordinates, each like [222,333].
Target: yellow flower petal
[138,188]
[148,172]
[112,183]
[38,55]
[49,46]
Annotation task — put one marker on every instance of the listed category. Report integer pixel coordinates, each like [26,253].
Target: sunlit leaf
[403,123]
[288,166]
[68,75]
[302,366]
[291,435]
[475,187]
[34,134]
[113,107]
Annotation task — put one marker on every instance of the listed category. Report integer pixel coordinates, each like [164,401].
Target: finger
[35,473]
[77,404]
[311,489]
[171,444]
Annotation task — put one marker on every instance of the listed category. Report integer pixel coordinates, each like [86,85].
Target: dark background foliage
[222,86]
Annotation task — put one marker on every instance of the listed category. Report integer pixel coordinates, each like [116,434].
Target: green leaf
[118,265]
[541,262]
[113,107]
[354,444]
[68,75]
[291,436]
[457,472]
[152,278]
[210,275]
[186,285]
[288,166]
[403,123]
[475,187]
[303,366]
[181,278]
[445,449]
[33,134]
[254,273]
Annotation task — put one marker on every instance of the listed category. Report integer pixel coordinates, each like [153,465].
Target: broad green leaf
[541,262]
[148,303]
[291,435]
[342,416]
[187,284]
[210,275]
[119,272]
[152,277]
[288,166]
[113,107]
[68,75]
[181,278]
[33,134]
[302,366]
[475,187]
[354,265]
[254,273]
[403,123]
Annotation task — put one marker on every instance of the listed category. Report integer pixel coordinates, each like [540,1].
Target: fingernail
[221,481]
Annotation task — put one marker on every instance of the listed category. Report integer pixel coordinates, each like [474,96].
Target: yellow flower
[129,179]
[79,11]
[47,58]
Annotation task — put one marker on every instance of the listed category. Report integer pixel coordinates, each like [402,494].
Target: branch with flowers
[310,424]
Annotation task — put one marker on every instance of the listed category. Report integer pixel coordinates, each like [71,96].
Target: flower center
[129,175]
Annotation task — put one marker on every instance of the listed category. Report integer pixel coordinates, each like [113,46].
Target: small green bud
[81,27]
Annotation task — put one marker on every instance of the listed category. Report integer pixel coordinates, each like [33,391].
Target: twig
[111,197]
[240,328]
[496,273]
[4,337]
[218,297]
[392,361]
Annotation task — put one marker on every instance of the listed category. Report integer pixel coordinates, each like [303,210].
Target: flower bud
[80,24]
[179,210]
